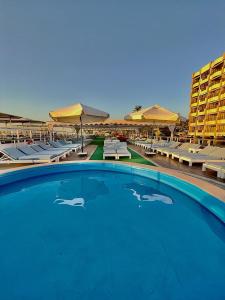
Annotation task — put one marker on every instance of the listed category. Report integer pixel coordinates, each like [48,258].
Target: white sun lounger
[218,167]
[205,155]
[49,148]
[176,153]
[170,146]
[74,147]
[169,150]
[109,152]
[122,151]
[183,148]
[34,150]
[56,151]
[116,150]
[15,156]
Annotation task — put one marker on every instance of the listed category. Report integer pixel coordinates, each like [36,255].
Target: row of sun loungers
[210,157]
[115,149]
[192,153]
[37,153]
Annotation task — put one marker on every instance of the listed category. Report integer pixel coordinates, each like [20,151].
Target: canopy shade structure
[9,118]
[153,114]
[77,114]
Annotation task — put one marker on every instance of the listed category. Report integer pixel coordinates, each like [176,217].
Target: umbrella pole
[81,133]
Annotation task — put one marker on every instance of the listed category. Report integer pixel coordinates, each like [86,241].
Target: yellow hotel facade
[207,102]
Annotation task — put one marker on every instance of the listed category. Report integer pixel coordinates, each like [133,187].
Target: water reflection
[146,194]
[78,190]
[72,202]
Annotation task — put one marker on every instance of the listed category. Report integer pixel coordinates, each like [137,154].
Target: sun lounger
[155,145]
[116,150]
[122,150]
[178,152]
[110,152]
[74,147]
[170,146]
[209,154]
[14,155]
[50,148]
[218,167]
[65,144]
[36,150]
[181,149]
[56,151]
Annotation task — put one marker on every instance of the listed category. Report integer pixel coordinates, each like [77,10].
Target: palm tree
[137,108]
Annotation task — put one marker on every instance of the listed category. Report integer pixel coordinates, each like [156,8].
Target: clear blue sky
[110,54]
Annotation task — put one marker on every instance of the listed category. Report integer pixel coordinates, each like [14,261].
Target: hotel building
[207,102]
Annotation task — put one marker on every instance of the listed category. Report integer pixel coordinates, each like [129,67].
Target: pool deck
[206,180]
[210,188]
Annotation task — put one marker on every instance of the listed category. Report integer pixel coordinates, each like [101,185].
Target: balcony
[213,99]
[202,101]
[204,80]
[192,124]
[195,85]
[217,61]
[203,92]
[216,74]
[194,104]
[193,114]
[209,133]
[211,110]
[214,86]
[201,113]
[200,122]
[194,94]
[222,108]
[222,121]
[196,74]
[210,122]
[205,68]
[222,96]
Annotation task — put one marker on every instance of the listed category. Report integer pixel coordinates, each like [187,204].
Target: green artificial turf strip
[135,157]
[99,141]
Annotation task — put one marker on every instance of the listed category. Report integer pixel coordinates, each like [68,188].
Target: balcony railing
[196,74]
[216,74]
[195,84]
[222,108]
[205,69]
[201,112]
[203,80]
[217,61]
[214,86]
[202,92]
[201,122]
[221,121]
[211,110]
[213,98]
[195,94]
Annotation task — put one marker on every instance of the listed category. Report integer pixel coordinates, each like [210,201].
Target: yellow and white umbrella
[78,114]
[154,114]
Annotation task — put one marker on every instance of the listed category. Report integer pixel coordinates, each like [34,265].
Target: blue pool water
[106,235]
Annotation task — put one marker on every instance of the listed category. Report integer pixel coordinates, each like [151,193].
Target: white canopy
[154,113]
[78,113]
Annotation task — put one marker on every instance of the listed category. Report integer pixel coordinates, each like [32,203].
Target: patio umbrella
[78,114]
[153,114]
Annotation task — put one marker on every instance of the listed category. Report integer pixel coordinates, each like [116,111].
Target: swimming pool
[108,231]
